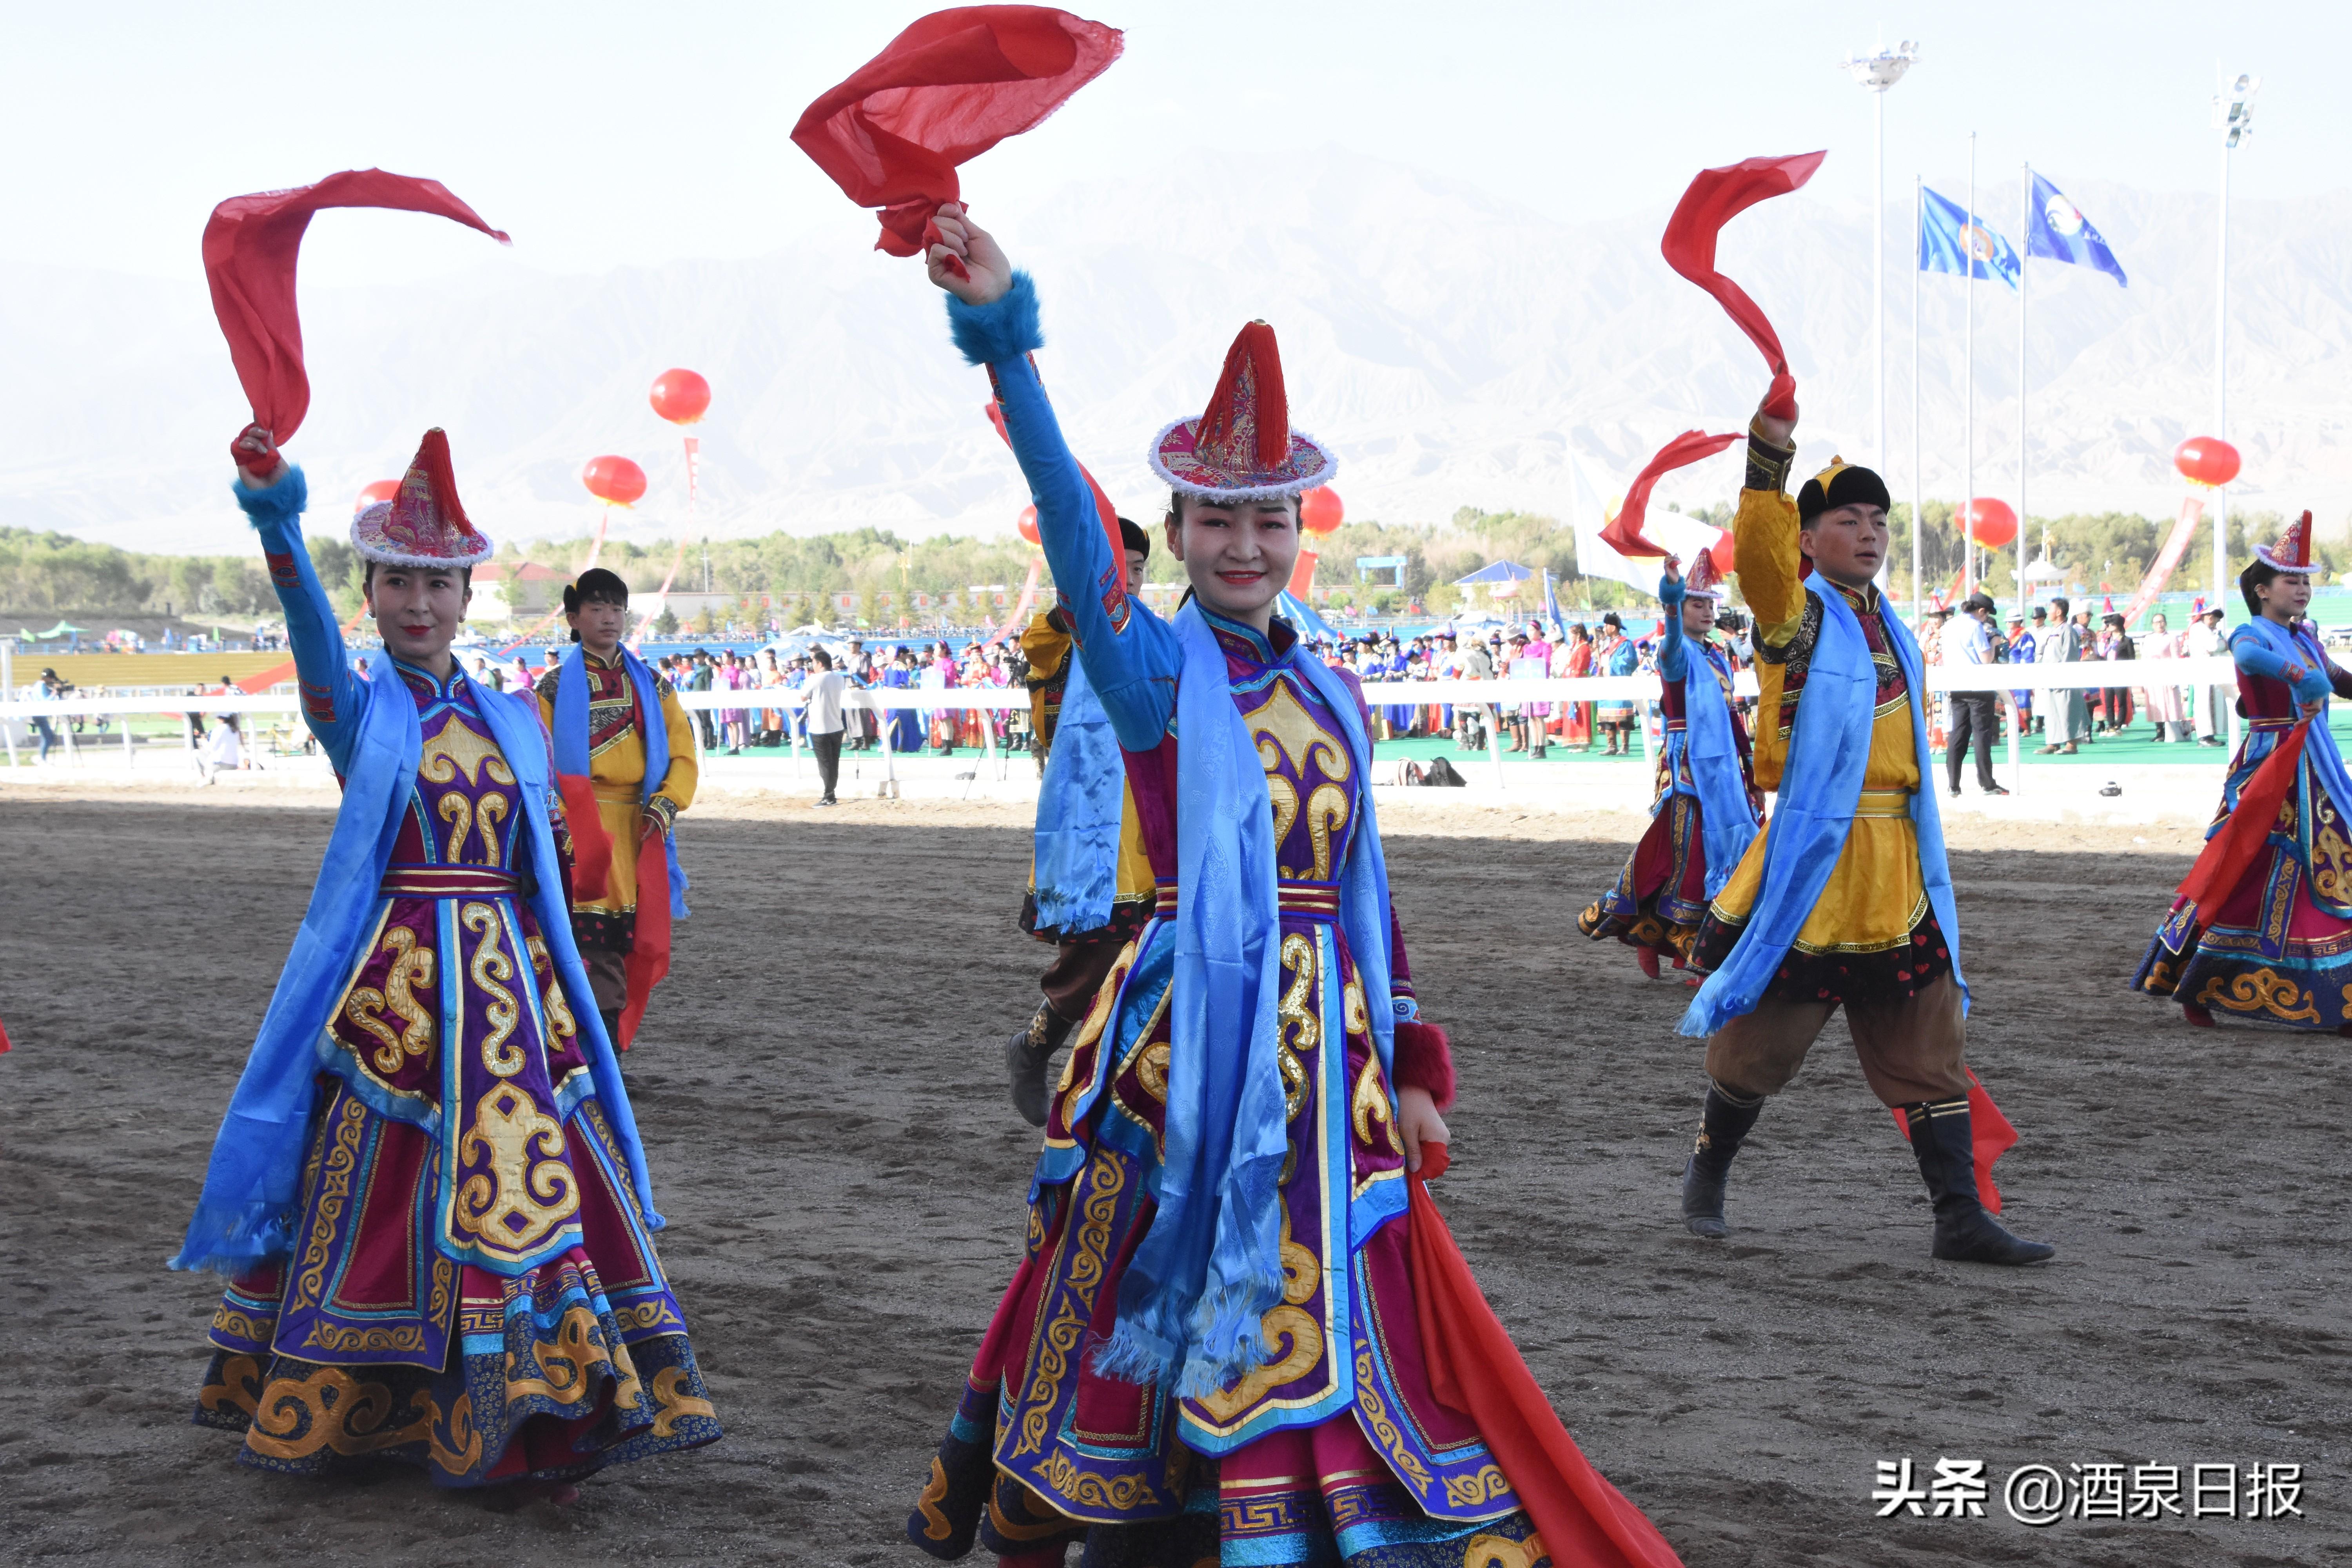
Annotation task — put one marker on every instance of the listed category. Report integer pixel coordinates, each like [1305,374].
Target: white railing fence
[2215,673]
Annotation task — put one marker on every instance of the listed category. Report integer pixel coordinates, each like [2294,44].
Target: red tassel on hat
[1250,405]
[431,465]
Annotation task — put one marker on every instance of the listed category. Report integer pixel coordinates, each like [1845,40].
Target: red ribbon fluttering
[1714,199]
[1990,1135]
[2229,854]
[648,960]
[251,245]
[1476,1369]
[944,92]
[1624,533]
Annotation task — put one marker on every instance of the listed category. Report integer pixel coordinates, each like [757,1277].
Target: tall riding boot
[1946,1146]
[1027,1055]
[1723,1124]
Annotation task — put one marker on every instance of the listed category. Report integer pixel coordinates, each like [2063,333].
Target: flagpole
[2232,113]
[1919,513]
[2025,239]
[1969,387]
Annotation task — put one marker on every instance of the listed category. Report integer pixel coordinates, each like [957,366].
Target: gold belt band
[446,882]
[2272,723]
[1884,803]
[617,795]
[1317,900]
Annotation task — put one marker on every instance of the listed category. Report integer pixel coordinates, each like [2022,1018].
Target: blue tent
[1499,573]
[1296,611]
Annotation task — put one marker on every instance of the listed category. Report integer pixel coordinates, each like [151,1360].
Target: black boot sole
[1989,1243]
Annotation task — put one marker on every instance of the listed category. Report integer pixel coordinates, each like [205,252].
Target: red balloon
[1028,524]
[382,490]
[2205,460]
[1988,521]
[1320,512]
[616,481]
[680,396]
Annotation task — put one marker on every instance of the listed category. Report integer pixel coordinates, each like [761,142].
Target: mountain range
[1456,349]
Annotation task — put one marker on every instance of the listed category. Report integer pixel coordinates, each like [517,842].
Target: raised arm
[1764,534]
[1130,655]
[331,695]
[1673,650]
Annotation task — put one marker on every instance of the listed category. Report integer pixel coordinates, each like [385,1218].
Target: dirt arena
[821,1093]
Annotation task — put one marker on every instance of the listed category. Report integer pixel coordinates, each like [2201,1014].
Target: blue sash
[1727,820]
[246,1212]
[1192,1302]
[1829,750]
[1080,805]
[570,737]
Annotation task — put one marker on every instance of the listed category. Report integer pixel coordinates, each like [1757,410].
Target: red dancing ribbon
[944,92]
[649,947]
[1104,511]
[1476,1369]
[2229,854]
[1624,533]
[3,1039]
[1991,1136]
[251,245]
[1714,199]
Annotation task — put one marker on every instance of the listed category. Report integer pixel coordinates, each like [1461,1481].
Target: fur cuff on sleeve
[994,333]
[1425,1060]
[279,506]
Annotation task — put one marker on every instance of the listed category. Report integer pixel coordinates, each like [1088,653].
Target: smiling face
[1848,543]
[1698,615]
[417,610]
[1237,555]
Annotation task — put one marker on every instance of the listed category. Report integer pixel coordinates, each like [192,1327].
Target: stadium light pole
[2233,116]
[1875,73]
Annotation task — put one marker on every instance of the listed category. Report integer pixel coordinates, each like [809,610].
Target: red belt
[447,882]
[1314,901]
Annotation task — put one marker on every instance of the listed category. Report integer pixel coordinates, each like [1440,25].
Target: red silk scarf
[1476,1369]
[944,92]
[251,244]
[1624,533]
[1714,199]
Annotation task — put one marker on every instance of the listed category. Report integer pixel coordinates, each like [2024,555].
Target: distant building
[502,592]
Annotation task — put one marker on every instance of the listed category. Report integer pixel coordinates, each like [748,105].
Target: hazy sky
[602,133]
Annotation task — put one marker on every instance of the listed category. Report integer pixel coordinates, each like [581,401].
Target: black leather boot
[1946,1146]
[1723,1123]
[1026,1056]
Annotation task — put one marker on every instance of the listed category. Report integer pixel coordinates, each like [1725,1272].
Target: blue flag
[2056,229]
[1950,238]
[1551,607]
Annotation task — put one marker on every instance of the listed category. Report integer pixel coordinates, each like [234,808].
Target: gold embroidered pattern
[1383,1426]
[461,1453]
[1297,1028]
[1326,813]
[1502,1552]
[331,1409]
[528,1189]
[237,1325]
[671,1405]
[445,1274]
[2265,990]
[563,1367]
[1122,1495]
[936,1526]
[559,1010]
[1062,1335]
[1286,1324]
[342,1157]
[412,966]
[488,815]
[239,1386]
[458,748]
[407,1339]
[459,813]
[491,965]
[1469,1491]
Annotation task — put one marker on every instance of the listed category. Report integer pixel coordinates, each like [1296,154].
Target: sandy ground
[821,1096]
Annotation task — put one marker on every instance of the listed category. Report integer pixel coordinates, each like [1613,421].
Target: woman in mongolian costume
[1708,806]
[1212,1345]
[2263,928]
[428,1192]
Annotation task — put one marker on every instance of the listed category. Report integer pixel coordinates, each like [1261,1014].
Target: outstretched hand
[966,260]
[1779,432]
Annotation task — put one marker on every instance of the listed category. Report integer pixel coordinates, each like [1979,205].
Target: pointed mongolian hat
[2292,551]
[1702,580]
[1243,447]
[424,525]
